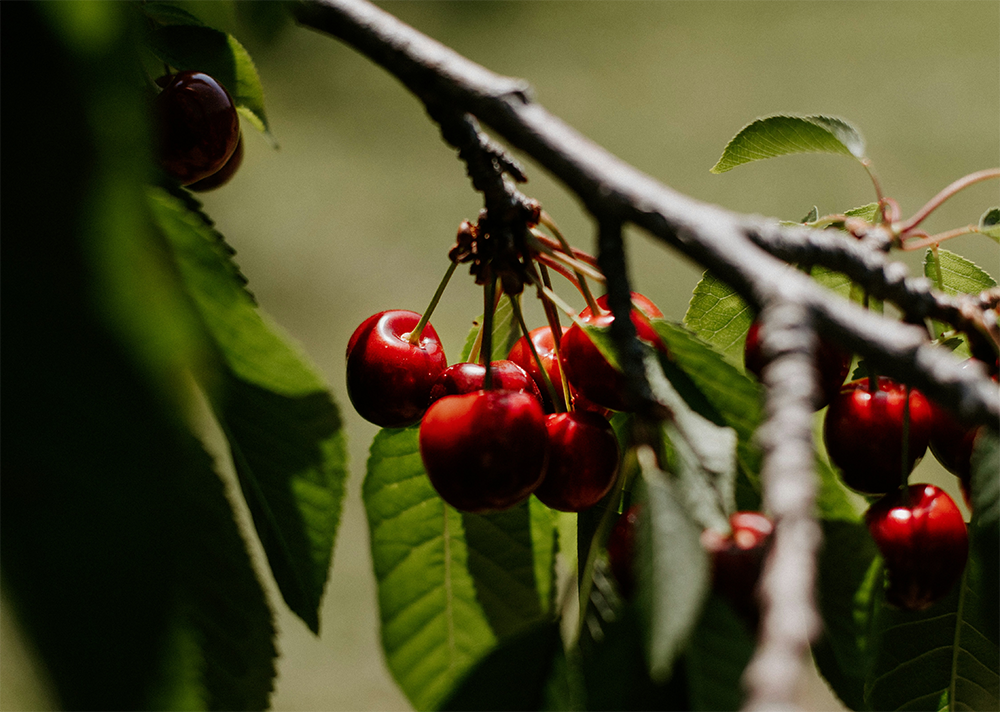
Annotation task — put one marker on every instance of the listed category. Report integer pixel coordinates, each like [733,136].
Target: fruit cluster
[875,431]
[200,145]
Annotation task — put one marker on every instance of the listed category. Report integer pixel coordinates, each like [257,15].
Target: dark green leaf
[985,488]
[166,14]
[433,626]
[954,274]
[515,675]
[811,216]
[989,223]
[720,648]
[783,135]
[943,658]
[284,431]
[673,574]
[505,332]
[848,572]
[191,47]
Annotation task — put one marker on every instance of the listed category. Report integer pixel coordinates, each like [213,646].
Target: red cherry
[833,363]
[924,542]
[199,128]
[952,441]
[587,369]
[545,346]
[583,461]
[737,559]
[621,549]
[462,378]
[863,432]
[389,379]
[223,175]
[486,450]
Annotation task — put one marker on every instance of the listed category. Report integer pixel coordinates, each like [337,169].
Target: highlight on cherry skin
[924,541]
[583,461]
[389,379]
[486,450]
[863,432]
[832,362]
[199,129]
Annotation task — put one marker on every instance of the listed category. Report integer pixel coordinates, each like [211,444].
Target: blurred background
[356,211]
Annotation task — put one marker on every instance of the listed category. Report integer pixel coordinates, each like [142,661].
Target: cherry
[863,432]
[951,441]
[737,559]
[467,377]
[199,128]
[545,346]
[833,363]
[583,461]
[924,541]
[389,379]
[486,450]
[587,369]
[223,175]
[621,549]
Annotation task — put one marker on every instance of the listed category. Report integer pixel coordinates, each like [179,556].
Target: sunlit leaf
[955,274]
[783,135]
[719,315]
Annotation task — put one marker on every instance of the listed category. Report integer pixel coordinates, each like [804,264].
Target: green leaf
[783,135]
[284,431]
[955,274]
[433,626]
[869,213]
[192,47]
[166,14]
[516,675]
[989,223]
[848,570]
[719,315]
[505,332]
[720,648]
[734,396]
[985,489]
[673,570]
[941,658]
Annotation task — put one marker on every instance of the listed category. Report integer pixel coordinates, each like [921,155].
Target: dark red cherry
[223,175]
[583,461]
[587,369]
[924,542]
[462,378]
[389,379]
[833,363]
[484,451]
[621,549]
[863,432]
[738,557]
[199,128]
[545,346]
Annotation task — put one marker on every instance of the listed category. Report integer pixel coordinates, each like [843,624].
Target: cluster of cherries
[490,438]
[875,431]
[200,144]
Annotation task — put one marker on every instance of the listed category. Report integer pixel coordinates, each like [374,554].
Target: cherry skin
[924,542]
[544,344]
[389,379]
[223,175]
[863,432]
[737,559]
[587,369]
[832,363]
[199,128]
[486,450]
[462,378]
[583,461]
[621,549]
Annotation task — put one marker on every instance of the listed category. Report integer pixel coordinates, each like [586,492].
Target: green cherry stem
[489,305]
[419,328]
[934,203]
[549,386]
[552,317]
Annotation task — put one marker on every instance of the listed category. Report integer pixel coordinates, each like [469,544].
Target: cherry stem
[419,328]
[489,305]
[580,267]
[555,299]
[552,316]
[931,240]
[546,220]
[934,203]
[867,163]
[478,343]
[549,386]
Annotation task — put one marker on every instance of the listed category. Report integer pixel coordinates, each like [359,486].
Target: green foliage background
[355,212]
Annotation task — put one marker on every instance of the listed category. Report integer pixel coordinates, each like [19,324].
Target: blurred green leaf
[720,648]
[673,569]
[284,431]
[203,49]
[166,14]
[985,526]
[783,135]
[433,627]
[870,213]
